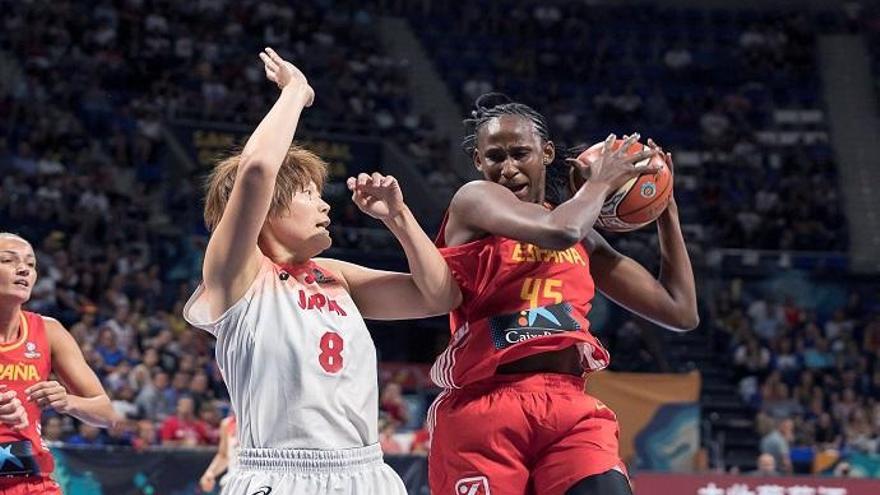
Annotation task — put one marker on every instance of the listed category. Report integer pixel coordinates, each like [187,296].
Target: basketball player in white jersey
[291,341]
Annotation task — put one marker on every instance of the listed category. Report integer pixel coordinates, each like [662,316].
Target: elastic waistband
[527,382]
[309,460]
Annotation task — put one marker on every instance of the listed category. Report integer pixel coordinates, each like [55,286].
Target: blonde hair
[10,235]
[300,167]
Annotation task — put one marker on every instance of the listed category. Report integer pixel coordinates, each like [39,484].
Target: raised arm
[80,393]
[485,208]
[232,259]
[428,290]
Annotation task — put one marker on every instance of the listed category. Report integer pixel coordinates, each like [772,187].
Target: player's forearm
[676,273]
[271,139]
[578,215]
[218,464]
[429,270]
[96,411]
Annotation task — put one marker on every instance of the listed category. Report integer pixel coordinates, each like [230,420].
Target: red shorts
[29,486]
[520,434]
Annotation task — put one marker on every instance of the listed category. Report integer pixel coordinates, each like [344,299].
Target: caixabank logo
[531,323]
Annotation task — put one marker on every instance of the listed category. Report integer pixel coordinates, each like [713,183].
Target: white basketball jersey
[298,361]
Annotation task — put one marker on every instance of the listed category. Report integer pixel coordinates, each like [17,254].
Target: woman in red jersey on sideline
[513,417]
[31,348]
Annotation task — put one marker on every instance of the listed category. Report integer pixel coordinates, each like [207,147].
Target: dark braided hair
[491,105]
[558,190]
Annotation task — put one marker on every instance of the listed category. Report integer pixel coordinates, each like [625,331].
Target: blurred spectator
[87,435]
[145,435]
[752,358]
[766,466]
[53,430]
[678,58]
[393,405]
[120,434]
[184,428]
[776,443]
[387,431]
[123,402]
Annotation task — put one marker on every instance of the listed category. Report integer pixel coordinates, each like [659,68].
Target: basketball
[638,202]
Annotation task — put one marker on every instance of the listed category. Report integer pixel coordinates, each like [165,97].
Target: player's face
[509,152]
[303,228]
[18,270]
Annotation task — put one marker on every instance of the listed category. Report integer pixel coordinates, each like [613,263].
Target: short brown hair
[300,167]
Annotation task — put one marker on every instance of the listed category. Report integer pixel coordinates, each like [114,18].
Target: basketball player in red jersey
[31,348]
[513,417]
[226,457]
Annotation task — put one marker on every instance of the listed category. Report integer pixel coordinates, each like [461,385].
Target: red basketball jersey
[23,363]
[518,300]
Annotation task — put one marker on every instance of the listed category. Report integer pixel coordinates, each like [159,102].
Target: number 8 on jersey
[331,352]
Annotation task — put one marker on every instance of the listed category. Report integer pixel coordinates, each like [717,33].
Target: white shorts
[358,471]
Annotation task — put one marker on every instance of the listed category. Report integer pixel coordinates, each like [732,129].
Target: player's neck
[10,320]
[283,256]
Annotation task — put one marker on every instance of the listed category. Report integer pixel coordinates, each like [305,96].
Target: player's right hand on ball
[12,412]
[285,74]
[614,166]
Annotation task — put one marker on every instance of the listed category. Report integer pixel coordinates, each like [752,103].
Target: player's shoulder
[338,269]
[474,191]
[48,320]
[55,332]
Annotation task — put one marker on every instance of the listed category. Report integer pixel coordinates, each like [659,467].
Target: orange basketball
[638,202]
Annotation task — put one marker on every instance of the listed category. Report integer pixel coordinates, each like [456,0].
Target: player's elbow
[254,169]
[687,321]
[559,238]
[445,302]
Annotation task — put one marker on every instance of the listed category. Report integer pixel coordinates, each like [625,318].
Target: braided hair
[492,105]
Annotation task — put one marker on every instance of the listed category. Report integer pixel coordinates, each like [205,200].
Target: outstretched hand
[377,195]
[284,73]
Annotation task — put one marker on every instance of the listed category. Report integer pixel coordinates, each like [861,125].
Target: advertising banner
[346,155]
[659,417]
[678,484]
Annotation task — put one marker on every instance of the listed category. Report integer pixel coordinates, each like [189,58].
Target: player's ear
[548,150]
[478,161]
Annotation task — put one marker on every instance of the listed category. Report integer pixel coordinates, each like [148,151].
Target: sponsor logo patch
[532,323]
[30,350]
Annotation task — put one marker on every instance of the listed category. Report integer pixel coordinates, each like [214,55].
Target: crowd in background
[813,379]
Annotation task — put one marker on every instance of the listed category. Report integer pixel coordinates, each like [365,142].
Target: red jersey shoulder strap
[440,240]
[37,330]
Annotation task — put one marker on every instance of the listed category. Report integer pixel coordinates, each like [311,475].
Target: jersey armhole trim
[211,325]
